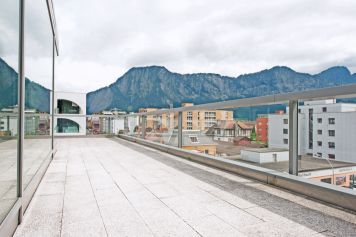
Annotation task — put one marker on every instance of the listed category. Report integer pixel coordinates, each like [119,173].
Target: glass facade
[67,126]
[67,107]
[27,36]
[9,36]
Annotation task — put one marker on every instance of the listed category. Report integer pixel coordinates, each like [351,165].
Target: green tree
[253,134]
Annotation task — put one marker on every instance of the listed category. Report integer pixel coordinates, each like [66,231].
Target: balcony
[112,187]
[66,173]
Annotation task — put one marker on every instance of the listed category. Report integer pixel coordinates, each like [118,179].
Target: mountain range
[155,86]
[36,96]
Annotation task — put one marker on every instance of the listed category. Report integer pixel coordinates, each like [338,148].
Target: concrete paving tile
[92,228]
[50,188]
[163,222]
[143,199]
[231,215]
[187,209]
[80,214]
[111,189]
[54,177]
[108,197]
[213,226]
[162,190]
[46,204]
[40,225]
[122,219]
[232,199]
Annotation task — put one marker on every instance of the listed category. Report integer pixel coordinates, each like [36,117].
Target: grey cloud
[228,37]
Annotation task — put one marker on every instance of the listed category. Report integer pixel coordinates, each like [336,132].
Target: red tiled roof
[246,124]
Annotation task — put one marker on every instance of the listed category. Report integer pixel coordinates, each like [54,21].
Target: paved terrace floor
[110,187]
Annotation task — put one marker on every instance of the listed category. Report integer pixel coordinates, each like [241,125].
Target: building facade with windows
[191,120]
[202,120]
[70,114]
[326,130]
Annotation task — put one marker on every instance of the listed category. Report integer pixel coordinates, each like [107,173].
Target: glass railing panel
[132,126]
[9,34]
[38,72]
[104,125]
[327,135]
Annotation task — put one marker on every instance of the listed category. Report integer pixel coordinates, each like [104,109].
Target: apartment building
[203,119]
[326,129]
[192,120]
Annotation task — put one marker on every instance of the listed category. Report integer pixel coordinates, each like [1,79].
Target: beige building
[203,119]
[192,120]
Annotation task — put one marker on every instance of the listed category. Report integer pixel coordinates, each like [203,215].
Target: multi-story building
[326,129]
[262,128]
[192,120]
[70,113]
[203,119]
[231,131]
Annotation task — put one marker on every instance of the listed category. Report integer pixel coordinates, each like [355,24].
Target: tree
[253,134]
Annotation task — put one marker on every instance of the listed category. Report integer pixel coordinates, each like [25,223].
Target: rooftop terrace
[112,187]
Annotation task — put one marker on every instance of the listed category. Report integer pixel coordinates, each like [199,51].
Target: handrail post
[180,129]
[21,106]
[143,125]
[293,137]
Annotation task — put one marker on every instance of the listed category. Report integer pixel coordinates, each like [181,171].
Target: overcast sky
[101,40]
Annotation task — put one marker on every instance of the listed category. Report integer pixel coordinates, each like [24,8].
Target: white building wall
[344,127]
[79,98]
[265,157]
[9,122]
[118,124]
[80,119]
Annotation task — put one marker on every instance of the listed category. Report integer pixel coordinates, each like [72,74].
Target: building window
[332,145]
[206,151]
[331,156]
[319,154]
[285,141]
[189,125]
[320,120]
[194,139]
[331,133]
[285,131]
[326,180]
[320,143]
[325,109]
[285,121]
[331,120]
[320,132]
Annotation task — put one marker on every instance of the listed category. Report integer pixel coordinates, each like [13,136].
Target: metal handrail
[345,91]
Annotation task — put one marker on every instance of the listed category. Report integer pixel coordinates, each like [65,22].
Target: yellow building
[203,119]
[191,120]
